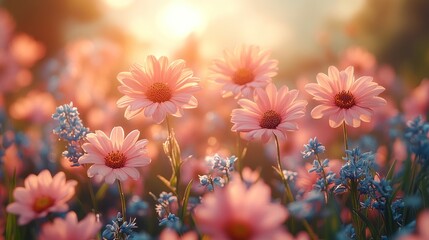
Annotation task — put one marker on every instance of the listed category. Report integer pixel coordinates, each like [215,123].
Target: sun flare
[180,19]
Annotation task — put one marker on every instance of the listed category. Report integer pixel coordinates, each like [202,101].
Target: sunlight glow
[180,19]
[118,3]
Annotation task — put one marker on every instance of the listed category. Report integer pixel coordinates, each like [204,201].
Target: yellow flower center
[158,92]
[270,120]
[238,230]
[115,160]
[42,203]
[243,76]
[344,99]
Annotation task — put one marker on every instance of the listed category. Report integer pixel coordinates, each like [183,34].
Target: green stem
[410,190]
[91,191]
[356,207]
[239,157]
[310,231]
[175,165]
[123,203]
[289,195]
[346,145]
[324,178]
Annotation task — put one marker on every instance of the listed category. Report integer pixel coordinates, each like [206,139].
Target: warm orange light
[118,3]
[180,19]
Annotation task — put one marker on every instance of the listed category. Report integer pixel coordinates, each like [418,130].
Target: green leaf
[374,232]
[389,175]
[167,184]
[185,200]
[11,226]
[101,192]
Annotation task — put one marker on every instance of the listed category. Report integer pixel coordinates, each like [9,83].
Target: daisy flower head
[243,70]
[240,211]
[115,157]
[272,112]
[41,195]
[343,98]
[69,228]
[158,88]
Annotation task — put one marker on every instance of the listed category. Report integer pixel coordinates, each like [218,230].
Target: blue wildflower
[416,137]
[137,207]
[119,229]
[166,203]
[307,207]
[397,211]
[312,148]
[171,221]
[289,175]
[71,130]
[209,182]
[346,233]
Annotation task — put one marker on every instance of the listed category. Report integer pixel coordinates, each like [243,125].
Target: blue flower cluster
[290,175]
[308,207]
[221,169]
[416,137]
[209,182]
[137,207]
[312,148]
[70,129]
[165,208]
[357,168]
[119,229]
[223,165]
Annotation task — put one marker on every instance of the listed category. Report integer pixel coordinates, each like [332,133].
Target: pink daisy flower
[241,212]
[159,88]
[70,229]
[271,112]
[41,195]
[243,70]
[343,98]
[116,157]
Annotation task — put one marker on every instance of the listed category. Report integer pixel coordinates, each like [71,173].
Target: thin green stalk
[355,207]
[123,203]
[239,157]
[346,145]
[289,195]
[176,165]
[324,178]
[353,194]
[310,231]
[91,191]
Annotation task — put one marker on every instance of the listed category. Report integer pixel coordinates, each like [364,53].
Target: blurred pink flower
[363,62]
[90,64]
[271,112]
[70,229]
[422,228]
[417,103]
[115,157]
[26,50]
[7,26]
[343,98]
[36,107]
[9,70]
[159,88]
[190,170]
[170,234]
[243,70]
[42,194]
[238,211]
